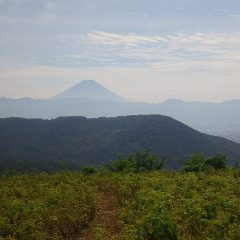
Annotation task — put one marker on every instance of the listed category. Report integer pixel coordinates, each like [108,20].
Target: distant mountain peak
[89,89]
[88,81]
[173,101]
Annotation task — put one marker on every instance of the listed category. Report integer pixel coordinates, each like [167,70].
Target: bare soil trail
[104,225]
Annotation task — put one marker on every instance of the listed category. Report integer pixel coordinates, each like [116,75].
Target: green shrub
[195,163]
[155,227]
[89,170]
[217,162]
[139,162]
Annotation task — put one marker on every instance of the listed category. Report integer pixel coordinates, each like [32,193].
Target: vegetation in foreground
[57,206]
[198,203]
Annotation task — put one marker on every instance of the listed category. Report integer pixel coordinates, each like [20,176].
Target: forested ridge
[72,142]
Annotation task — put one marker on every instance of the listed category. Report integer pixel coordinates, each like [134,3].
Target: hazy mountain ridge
[90,99]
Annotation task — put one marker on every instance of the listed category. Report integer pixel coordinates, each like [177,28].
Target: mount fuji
[89,89]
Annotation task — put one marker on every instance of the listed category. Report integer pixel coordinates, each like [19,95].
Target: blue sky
[145,50]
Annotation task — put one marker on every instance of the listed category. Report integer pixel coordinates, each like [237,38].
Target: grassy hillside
[128,206]
[77,141]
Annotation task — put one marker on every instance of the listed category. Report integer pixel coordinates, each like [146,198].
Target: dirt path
[104,224]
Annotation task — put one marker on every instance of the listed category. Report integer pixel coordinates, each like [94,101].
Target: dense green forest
[142,201]
[28,145]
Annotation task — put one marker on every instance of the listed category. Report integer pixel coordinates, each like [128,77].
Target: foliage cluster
[198,163]
[138,162]
[45,206]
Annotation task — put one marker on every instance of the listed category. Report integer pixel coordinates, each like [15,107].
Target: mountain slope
[82,141]
[91,90]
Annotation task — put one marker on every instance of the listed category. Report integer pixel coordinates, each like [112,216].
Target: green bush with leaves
[138,162]
[197,163]
[217,162]
[88,170]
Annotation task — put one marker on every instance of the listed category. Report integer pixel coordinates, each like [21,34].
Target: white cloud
[234,16]
[204,50]
[118,39]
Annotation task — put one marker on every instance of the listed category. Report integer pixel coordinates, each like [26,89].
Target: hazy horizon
[164,100]
[144,51]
